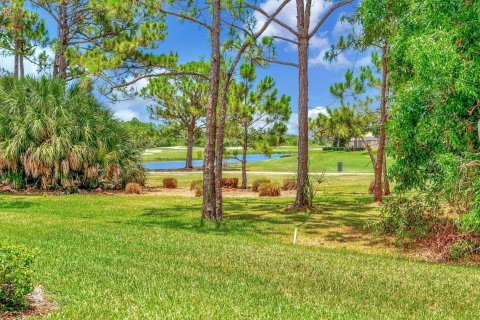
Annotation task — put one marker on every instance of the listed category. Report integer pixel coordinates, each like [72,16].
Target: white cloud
[341,27]
[342,62]
[128,109]
[288,15]
[126,114]
[313,112]
[319,44]
[364,61]
[292,124]
[8,63]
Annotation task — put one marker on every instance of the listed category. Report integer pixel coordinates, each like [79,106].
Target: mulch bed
[38,307]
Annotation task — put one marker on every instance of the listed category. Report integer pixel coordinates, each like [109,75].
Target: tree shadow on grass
[340,219]
[17,203]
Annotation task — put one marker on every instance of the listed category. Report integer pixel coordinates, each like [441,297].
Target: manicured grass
[171,154]
[150,257]
[355,161]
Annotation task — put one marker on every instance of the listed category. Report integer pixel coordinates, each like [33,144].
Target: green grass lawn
[149,257]
[171,154]
[354,162]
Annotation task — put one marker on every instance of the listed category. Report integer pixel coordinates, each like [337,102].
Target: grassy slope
[148,257]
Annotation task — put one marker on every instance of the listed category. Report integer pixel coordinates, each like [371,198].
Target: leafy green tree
[256,112]
[436,81]
[180,103]
[108,39]
[52,137]
[22,32]
[379,21]
[148,135]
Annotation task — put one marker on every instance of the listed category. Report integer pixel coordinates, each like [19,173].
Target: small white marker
[295,236]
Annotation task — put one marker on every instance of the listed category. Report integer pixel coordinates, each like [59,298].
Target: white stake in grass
[295,236]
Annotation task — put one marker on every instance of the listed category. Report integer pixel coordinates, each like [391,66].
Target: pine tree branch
[326,15]
[286,63]
[186,17]
[163,74]
[267,15]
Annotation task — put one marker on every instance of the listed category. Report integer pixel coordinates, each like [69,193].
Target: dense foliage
[435,116]
[149,135]
[52,137]
[434,129]
[15,277]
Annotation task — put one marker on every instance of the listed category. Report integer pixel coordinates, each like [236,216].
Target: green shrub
[409,217]
[269,190]
[257,184]
[462,248]
[15,277]
[470,221]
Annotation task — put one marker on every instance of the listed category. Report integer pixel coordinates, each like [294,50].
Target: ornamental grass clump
[256,184]
[269,190]
[231,183]
[195,183]
[170,183]
[56,136]
[198,190]
[133,188]
[289,184]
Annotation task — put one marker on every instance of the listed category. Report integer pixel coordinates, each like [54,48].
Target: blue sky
[192,42]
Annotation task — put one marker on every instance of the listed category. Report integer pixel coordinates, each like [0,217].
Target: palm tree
[52,137]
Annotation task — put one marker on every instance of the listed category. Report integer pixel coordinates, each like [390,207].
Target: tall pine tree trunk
[302,173]
[209,194]
[378,191]
[60,62]
[386,183]
[15,66]
[190,140]
[22,67]
[244,157]
[219,159]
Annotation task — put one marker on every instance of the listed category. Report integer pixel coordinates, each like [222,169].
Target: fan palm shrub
[53,136]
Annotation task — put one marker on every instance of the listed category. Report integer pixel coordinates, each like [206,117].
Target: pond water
[170,165]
